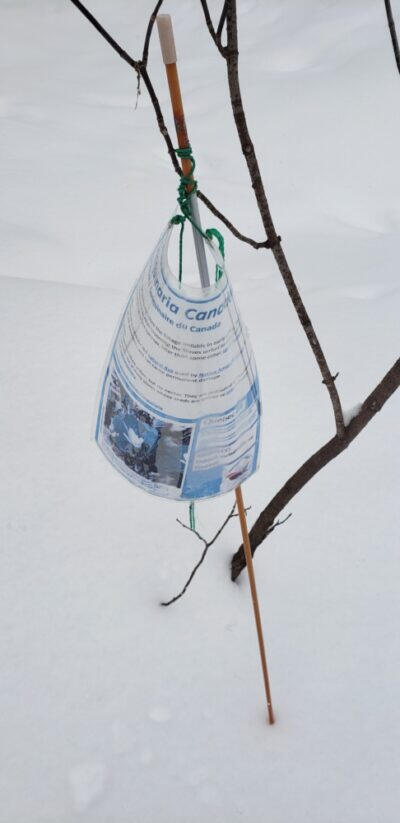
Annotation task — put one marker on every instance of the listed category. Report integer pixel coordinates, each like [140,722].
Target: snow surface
[114,710]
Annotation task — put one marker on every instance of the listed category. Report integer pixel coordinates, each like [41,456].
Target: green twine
[180,219]
[221,243]
[183,200]
[186,181]
[192,521]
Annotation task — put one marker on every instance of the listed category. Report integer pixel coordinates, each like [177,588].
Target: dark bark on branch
[152,20]
[207,546]
[232,55]
[222,21]
[135,64]
[264,523]
[216,37]
[160,120]
[229,225]
[140,66]
[393,34]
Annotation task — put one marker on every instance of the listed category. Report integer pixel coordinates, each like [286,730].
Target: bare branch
[209,24]
[279,523]
[393,34]
[160,120]
[189,580]
[135,64]
[274,241]
[246,509]
[193,531]
[229,225]
[207,546]
[152,20]
[265,522]
[222,21]
[221,528]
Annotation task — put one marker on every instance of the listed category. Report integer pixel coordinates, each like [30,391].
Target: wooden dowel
[253,589]
[168,50]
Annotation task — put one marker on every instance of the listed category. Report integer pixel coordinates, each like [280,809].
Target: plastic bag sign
[179,412]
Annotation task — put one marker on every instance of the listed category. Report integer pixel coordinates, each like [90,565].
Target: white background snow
[114,710]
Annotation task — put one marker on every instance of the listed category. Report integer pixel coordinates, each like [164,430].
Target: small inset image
[149,446]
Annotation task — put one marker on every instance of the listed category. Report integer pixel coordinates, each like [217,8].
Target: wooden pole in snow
[256,608]
[168,50]
[164,25]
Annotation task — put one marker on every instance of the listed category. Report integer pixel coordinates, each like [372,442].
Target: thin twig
[135,64]
[210,26]
[207,546]
[279,523]
[393,33]
[222,21]
[152,20]
[229,225]
[138,90]
[193,531]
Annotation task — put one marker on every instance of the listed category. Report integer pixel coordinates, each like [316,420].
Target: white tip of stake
[166,35]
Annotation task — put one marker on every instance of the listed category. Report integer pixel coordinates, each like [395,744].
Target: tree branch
[215,36]
[152,20]
[207,546]
[393,34]
[160,120]
[231,55]
[222,21]
[229,225]
[265,522]
[135,64]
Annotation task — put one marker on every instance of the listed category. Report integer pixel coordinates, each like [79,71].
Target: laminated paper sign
[179,412]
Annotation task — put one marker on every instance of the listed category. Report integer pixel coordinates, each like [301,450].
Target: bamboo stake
[166,35]
[256,608]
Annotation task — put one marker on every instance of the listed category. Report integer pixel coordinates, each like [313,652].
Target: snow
[113,708]
[348,414]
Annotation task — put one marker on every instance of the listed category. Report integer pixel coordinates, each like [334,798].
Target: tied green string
[183,200]
[192,520]
[186,181]
[221,243]
[179,219]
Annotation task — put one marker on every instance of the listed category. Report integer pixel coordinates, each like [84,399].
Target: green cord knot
[187,187]
[186,181]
